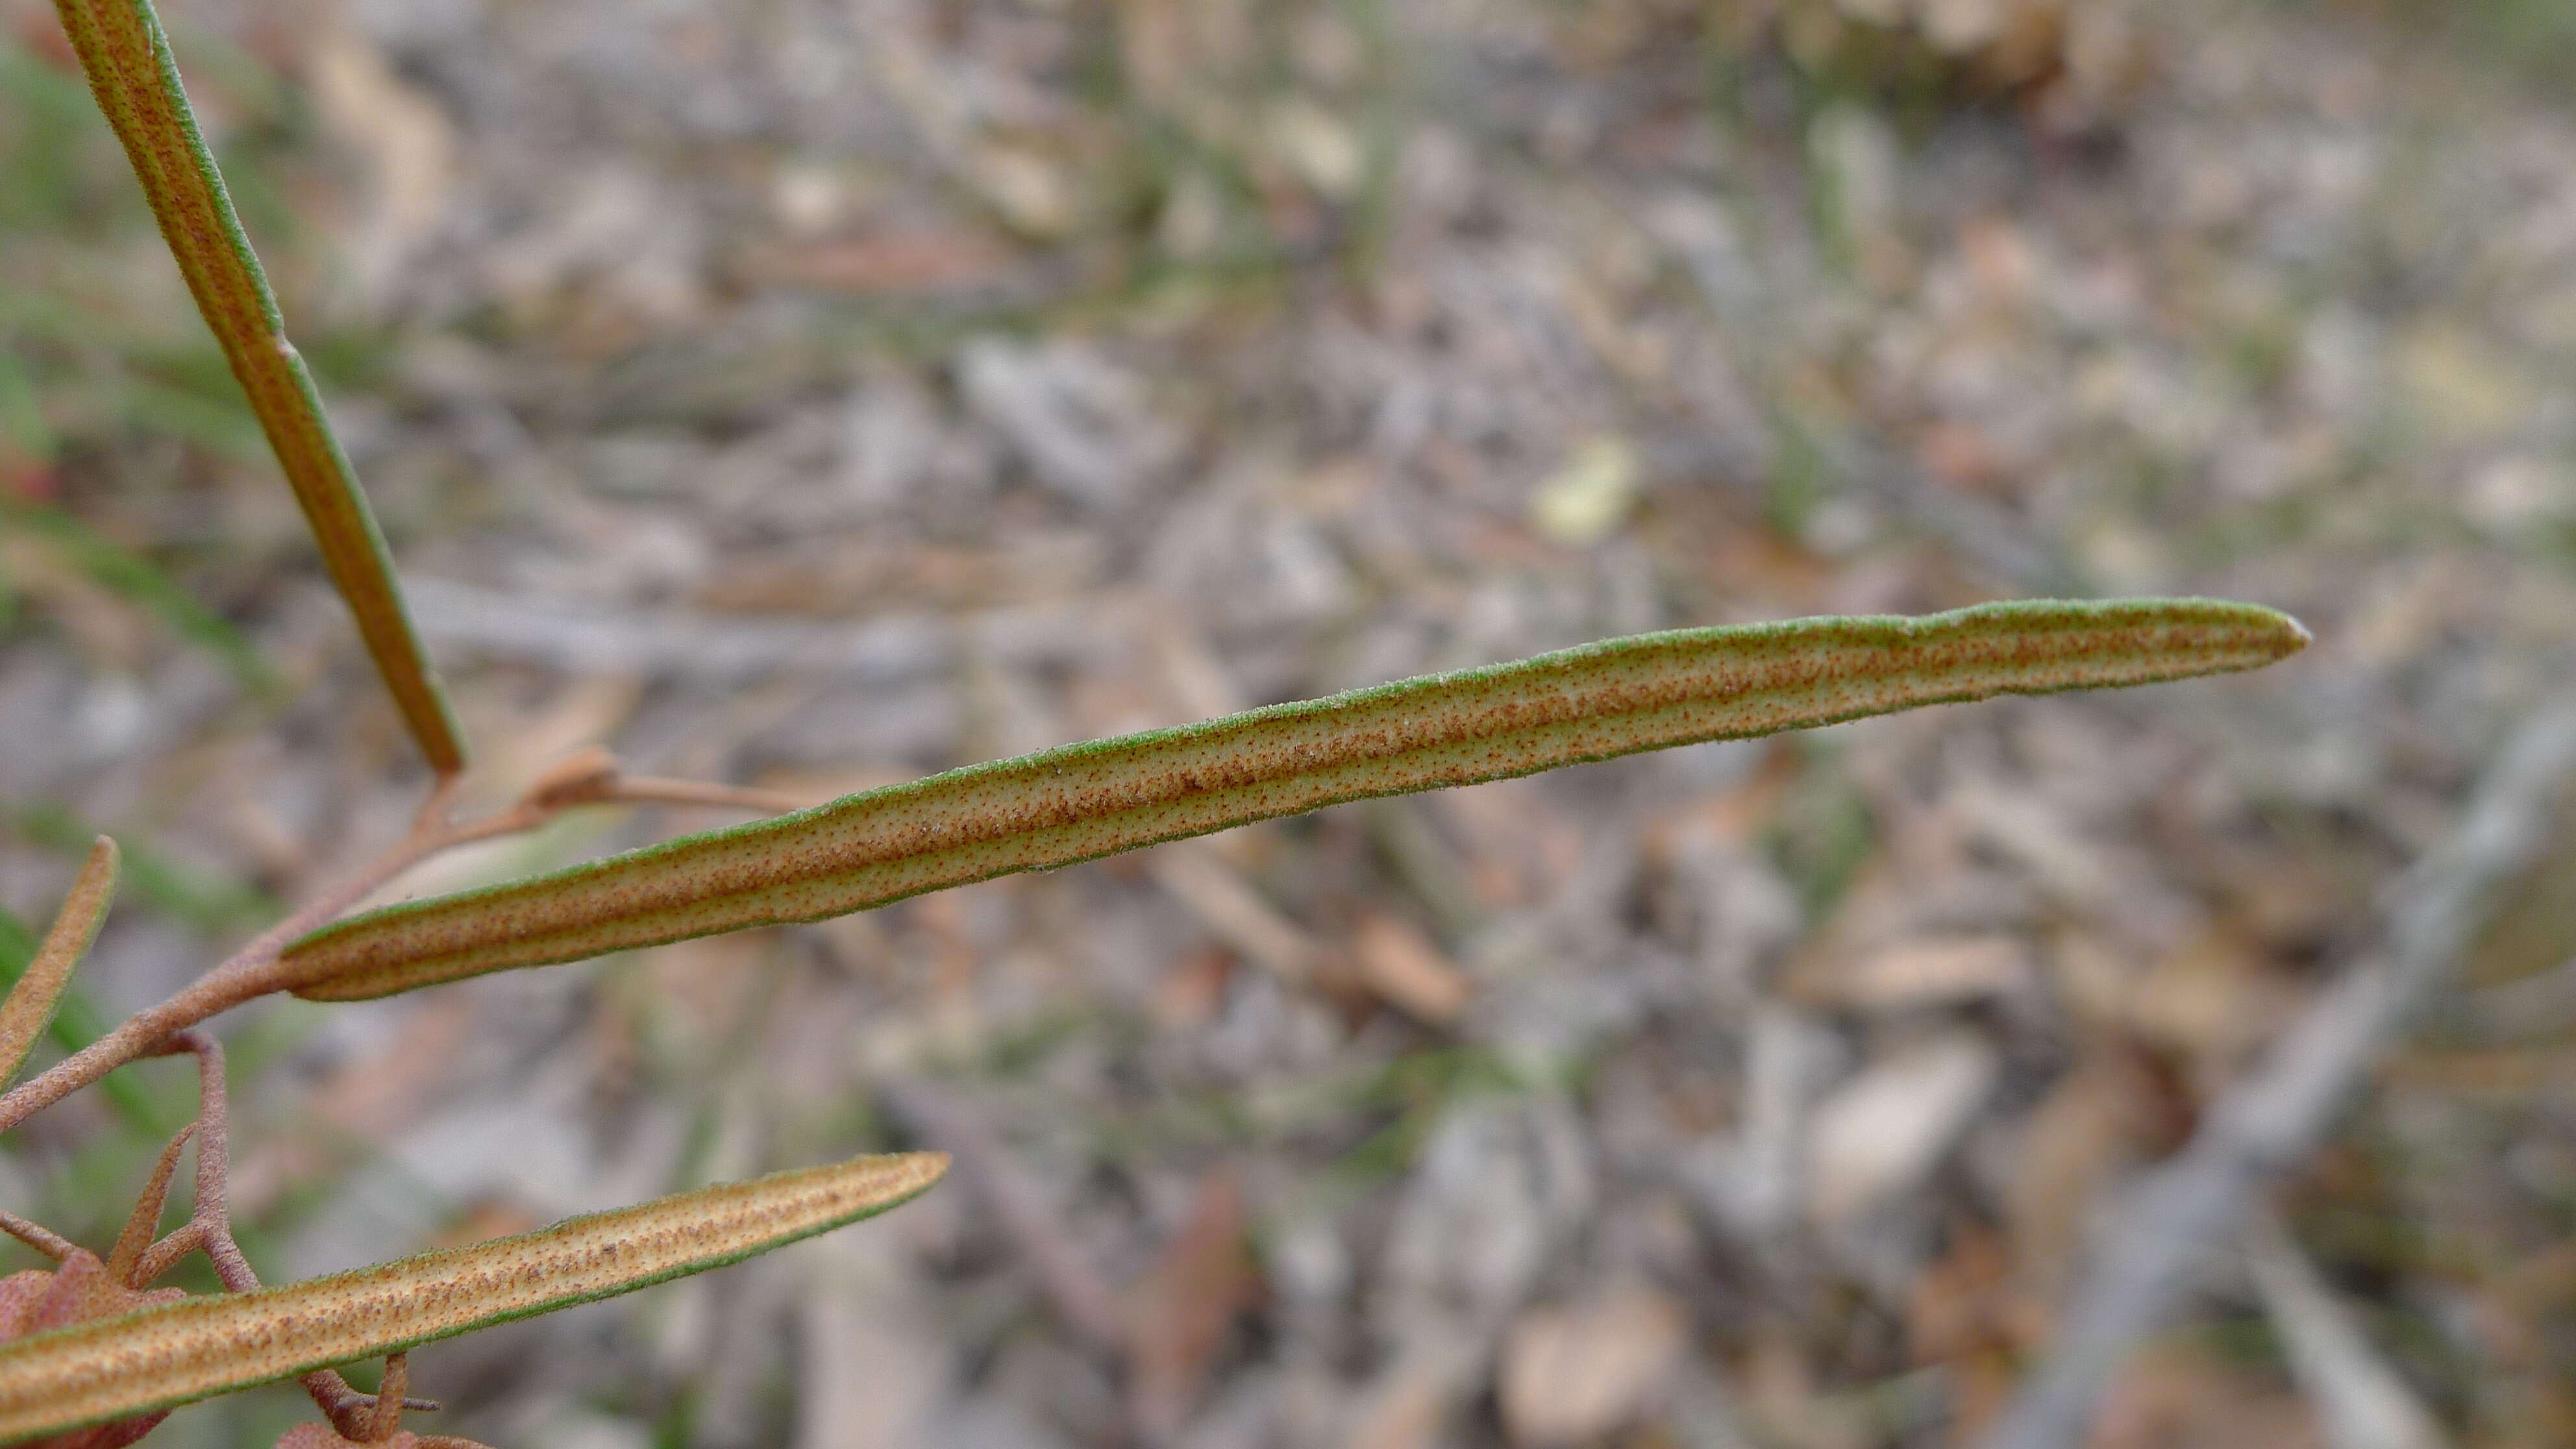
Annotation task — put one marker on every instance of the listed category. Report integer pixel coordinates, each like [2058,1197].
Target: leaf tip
[2253,634]
[915,1172]
[2294,636]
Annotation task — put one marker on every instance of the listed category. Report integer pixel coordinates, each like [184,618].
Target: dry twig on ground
[2188,1208]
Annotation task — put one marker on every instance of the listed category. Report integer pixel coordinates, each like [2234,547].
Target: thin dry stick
[253,971]
[2185,1210]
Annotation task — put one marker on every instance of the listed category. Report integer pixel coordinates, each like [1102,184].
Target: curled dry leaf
[173,1353]
[31,1002]
[1083,801]
[127,58]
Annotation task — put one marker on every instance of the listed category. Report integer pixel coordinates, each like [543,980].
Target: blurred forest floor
[821,392]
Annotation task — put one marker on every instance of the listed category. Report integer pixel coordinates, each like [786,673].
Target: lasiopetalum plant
[92,1354]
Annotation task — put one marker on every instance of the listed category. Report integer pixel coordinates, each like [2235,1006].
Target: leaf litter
[1332,440]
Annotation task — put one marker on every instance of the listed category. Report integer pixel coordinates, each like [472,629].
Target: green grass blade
[198,898]
[180,1352]
[143,583]
[1079,802]
[131,72]
[29,1007]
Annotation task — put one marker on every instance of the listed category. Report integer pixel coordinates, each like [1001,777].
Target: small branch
[2185,1210]
[389,1397]
[210,1224]
[37,1236]
[247,974]
[2360,1399]
[253,971]
[210,1228]
[651,790]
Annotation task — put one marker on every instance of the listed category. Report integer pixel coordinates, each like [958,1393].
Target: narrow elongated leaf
[30,1007]
[127,58]
[1063,805]
[189,1350]
[77,1022]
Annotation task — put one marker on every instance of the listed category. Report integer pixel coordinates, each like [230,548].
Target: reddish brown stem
[389,1398]
[210,1230]
[37,1236]
[253,971]
[650,790]
[249,973]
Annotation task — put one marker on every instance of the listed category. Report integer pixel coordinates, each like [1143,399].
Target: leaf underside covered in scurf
[127,58]
[1083,801]
[189,1350]
[30,1005]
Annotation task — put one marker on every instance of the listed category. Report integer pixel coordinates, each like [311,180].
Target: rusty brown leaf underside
[31,1002]
[179,1352]
[127,58]
[1082,801]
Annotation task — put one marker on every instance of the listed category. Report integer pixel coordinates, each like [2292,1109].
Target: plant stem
[248,973]
[254,970]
